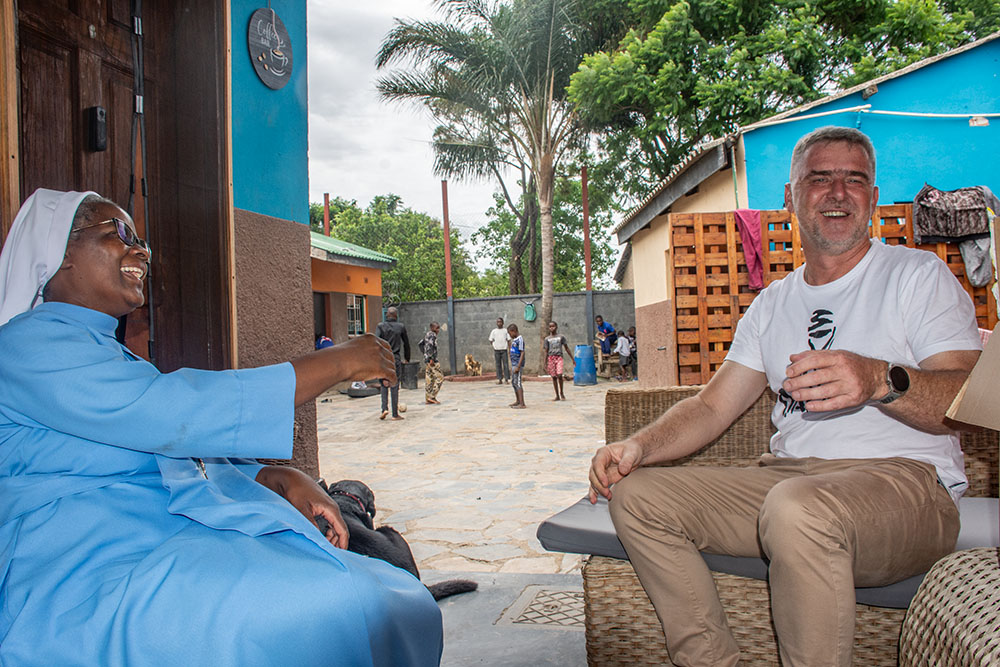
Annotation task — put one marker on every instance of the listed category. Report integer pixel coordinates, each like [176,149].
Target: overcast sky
[360,147]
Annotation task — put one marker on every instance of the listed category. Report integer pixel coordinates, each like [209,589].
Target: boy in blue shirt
[516,364]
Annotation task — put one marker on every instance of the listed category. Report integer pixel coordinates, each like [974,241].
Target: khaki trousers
[825,525]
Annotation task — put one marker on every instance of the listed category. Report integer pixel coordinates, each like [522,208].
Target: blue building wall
[946,153]
[270,127]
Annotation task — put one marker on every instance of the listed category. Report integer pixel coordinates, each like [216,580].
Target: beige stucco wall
[650,245]
[649,262]
[649,268]
[628,280]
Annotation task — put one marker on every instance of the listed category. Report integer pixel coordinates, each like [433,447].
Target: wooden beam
[10,170]
[229,244]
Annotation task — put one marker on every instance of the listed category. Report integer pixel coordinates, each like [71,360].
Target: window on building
[355,315]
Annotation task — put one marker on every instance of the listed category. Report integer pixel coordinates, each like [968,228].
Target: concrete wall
[274,313]
[475,318]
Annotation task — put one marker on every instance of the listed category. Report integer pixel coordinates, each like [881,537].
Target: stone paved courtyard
[467,482]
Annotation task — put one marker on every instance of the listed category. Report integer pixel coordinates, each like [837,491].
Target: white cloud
[360,147]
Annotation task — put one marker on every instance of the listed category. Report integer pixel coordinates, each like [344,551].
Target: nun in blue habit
[135,526]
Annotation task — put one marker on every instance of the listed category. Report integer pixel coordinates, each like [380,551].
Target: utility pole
[586,256]
[326,214]
[447,277]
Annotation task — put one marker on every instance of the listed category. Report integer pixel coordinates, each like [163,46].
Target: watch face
[899,378]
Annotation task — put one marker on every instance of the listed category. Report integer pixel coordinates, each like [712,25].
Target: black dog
[357,506]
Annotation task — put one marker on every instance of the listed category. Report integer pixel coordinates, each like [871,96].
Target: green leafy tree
[415,239]
[337,204]
[567,213]
[494,76]
[690,70]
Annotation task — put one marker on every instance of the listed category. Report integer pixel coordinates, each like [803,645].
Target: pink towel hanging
[748,221]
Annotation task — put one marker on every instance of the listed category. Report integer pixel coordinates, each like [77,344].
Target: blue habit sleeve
[72,379]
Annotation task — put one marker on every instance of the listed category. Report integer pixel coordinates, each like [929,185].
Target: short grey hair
[87,210]
[833,133]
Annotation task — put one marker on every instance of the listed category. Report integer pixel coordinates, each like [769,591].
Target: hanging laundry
[978,265]
[960,216]
[952,216]
[748,222]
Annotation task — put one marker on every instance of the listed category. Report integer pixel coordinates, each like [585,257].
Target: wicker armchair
[621,626]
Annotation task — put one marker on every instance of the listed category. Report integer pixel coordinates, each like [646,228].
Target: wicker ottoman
[955,616]
[622,628]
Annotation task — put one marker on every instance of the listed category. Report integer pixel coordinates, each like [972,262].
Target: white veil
[34,248]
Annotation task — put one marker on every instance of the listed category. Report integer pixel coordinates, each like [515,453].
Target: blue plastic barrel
[586,369]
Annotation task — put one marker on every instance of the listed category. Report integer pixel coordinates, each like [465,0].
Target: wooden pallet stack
[711,287]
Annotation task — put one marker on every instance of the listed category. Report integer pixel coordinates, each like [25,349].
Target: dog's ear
[362,492]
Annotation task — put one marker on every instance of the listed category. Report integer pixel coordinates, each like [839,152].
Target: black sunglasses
[125,233]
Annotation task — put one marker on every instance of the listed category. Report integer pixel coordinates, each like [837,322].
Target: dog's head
[356,491]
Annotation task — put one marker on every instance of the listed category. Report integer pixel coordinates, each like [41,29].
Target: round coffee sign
[270,48]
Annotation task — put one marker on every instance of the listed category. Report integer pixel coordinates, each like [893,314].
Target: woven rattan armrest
[626,410]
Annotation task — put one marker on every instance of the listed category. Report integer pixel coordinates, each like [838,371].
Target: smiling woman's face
[99,271]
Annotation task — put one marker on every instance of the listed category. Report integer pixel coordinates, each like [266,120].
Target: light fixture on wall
[979,121]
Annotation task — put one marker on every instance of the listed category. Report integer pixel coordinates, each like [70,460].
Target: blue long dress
[116,550]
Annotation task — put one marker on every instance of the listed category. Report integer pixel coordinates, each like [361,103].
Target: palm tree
[494,76]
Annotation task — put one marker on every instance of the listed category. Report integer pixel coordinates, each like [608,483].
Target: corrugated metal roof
[344,249]
[699,150]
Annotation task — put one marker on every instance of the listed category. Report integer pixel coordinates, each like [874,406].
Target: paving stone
[422,551]
[490,552]
[455,536]
[459,564]
[531,565]
[467,485]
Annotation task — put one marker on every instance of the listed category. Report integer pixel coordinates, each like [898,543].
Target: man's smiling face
[833,194]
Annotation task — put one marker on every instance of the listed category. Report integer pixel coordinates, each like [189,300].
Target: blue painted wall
[270,127]
[945,153]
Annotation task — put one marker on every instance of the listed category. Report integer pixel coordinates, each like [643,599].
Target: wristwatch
[898,381]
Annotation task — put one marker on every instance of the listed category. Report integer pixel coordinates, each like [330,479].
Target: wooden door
[73,56]
[77,54]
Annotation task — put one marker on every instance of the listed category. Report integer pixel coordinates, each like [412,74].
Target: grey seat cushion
[583,528]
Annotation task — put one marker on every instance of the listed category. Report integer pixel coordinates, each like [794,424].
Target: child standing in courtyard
[516,364]
[623,349]
[555,343]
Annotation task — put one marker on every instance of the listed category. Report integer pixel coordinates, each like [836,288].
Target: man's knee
[798,511]
[639,497]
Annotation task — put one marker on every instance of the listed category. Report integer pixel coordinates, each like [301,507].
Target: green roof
[348,250]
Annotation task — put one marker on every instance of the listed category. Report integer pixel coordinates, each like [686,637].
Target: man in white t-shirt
[865,345]
[500,340]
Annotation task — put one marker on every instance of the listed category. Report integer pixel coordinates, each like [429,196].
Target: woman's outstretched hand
[360,358]
[307,497]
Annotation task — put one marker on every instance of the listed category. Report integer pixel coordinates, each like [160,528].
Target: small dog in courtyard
[357,506]
[473,367]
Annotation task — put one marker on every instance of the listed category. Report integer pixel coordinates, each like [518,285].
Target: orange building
[347,287]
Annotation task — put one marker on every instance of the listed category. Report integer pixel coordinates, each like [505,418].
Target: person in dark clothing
[393,332]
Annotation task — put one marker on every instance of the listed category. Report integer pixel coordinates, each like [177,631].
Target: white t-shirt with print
[898,304]
[499,337]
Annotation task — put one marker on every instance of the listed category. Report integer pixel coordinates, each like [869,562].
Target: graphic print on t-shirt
[821,328]
[821,332]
